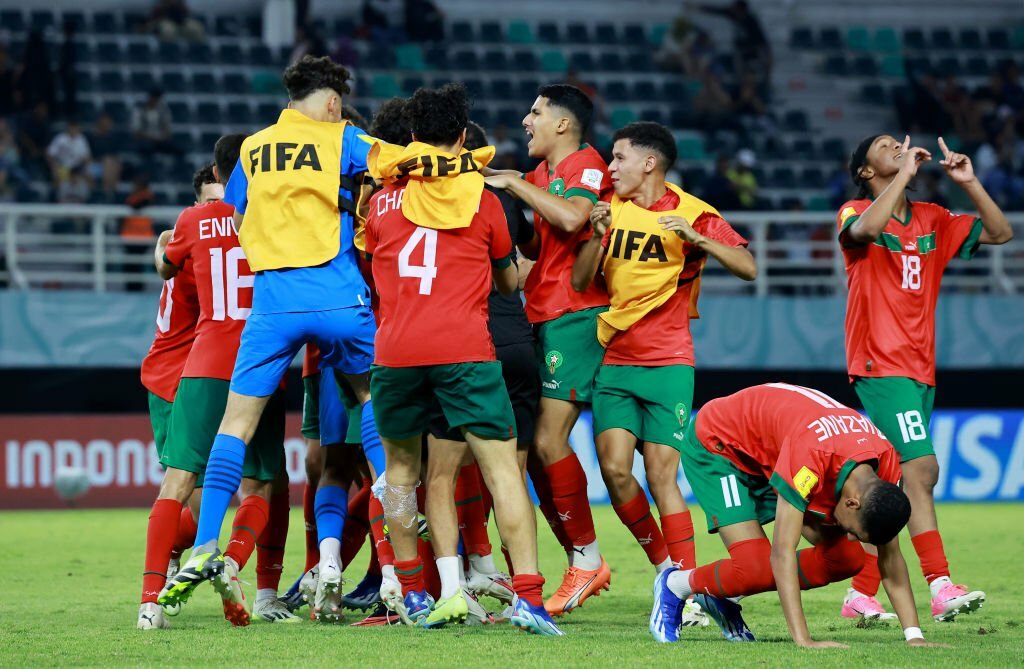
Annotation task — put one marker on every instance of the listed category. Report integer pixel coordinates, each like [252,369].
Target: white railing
[79,246]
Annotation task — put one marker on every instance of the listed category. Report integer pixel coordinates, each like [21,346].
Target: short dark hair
[885,510]
[438,116]
[352,115]
[203,176]
[312,74]
[476,136]
[572,100]
[652,136]
[225,154]
[389,123]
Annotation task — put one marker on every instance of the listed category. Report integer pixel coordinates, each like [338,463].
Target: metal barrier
[52,246]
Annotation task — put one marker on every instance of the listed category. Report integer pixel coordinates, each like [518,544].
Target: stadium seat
[498,88]
[548,33]
[970,38]
[864,66]
[913,38]
[605,33]
[802,38]
[142,81]
[139,53]
[783,177]
[437,57]
[184,141]
[104,23]
[835,65]
[577,33]
[691,147]
[134,22]
[483,117]
[873,92]
[645,91]
[526,90]
[491,33]
[615,89]
[653,114]
[942,40]
[464,31]
[474,86]
[553,61]
[181,112]
[610,61]
[657,34]
[886,40]
[510,117]
[998,38]
[801,149]
[41,20]
[976,66]
[235,83]
[209,113]
[173,82]
[169,53]
[108,52]
[520,32]
[409,57]
[227,25]
[582,61]
[675,92]
[497,60]
[85,80]
[949,65]
[622,116]
[75,18]
[858,38]
[795,120]
[12,20]
[230,52]
[385,86]
[198,53]
[118,111]
[812,177]
[830,39]
[1017,38]
[203,82]
[267,112]
[111,81]
[818,203]
[260,55]
[638,61]
[634,34]
[239,113]
[207,140]
[465,59]
[892,66]
[525,60]
[410,84]
[694,178]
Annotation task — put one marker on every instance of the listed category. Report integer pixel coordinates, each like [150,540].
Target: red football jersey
[663,337]
[175,331]
[433,284]
[205,234]
[548,290]
[894,286]
[803,441]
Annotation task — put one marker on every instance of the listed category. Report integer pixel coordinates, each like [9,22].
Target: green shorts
[195,418]
[902,409]
[472,396]
[311,410]
[570,355]
[651,402]
[726,494]
[159,415]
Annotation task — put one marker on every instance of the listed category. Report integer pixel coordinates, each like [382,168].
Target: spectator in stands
[688,48]
[151,124]
[376,26]
[33,138]
[719,189]
[106,161]
[137,229]
[424,21]
[743,179]
[750,107]
[171,20]
[10,100]
[35,77]
[713,105]
[69,157]
[1000,165]
[751,50]
[11,174]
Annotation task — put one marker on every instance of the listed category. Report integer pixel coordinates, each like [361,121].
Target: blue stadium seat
[230,53]
[645,91]
[548,32]
[874,93]
[970,38]
[118,111]
[140,53]
[526,90]
[582,61]
[12,20]
[977,66]
[181,112]
[525,61]
[235,83]
[498,88]
[634,34]
[796,120]
[184,141]
[864,66]
[108,52]
[782,177]
[228,25]
[105,23]
[942,39]
[674,92]
[260,56]
[169,53]
[41,19]
[653,114]
[73,17]
[802,38]
[491,32]
[949,65]
[616,90]
[474,86]
[638,61]
[998,38]
[913,38]
[111,81]
[135,21]
[410,84]
[483,117]
[85,80]
[140,82]
[610,61]
[198,53]
[577,33]
[239,113]
[267,113]
[835,65]
[681,117]
[465,59]
[812,177]
[203,82]
[830,39]
[496,60]
[208,113]
[510,117]
[801,149]
[463,31]
[437,57]
[87,110]
[605,33]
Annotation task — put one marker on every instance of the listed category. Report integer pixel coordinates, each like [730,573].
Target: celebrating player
[818,469]
[434,234]
[896,252]
[562,191]
[651,241]
[293,190]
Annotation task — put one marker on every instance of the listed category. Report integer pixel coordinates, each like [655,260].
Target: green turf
[71,583]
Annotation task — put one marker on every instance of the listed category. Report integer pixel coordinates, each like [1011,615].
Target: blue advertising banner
[980,453]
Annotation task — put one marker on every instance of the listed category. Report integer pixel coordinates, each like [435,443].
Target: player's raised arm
[789,522]
[958,167]
[872,163]
[590,256]
[567,214]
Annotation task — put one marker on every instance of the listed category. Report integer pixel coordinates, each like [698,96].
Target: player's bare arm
[959,169]
[872,222]
[506,279]
[896,581]
[737,259]
[789,523]
[590,256]
[238,221]
[566,214]
[491,172]
[165,269]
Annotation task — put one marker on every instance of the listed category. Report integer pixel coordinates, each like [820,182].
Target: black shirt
[508,322]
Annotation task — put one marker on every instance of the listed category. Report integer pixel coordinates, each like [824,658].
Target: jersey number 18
[911,272]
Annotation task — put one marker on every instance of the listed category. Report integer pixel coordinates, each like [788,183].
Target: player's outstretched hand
[911,157]
[498,181]
[921,643]
[957,165]
[821,644]
[601,218]
[681,227]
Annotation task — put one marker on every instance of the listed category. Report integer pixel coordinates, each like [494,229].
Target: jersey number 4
[911,272]
[226,284]
[426,272]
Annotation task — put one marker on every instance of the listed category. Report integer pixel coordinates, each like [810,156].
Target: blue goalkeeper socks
[330,507]
[372,447]
[223,476]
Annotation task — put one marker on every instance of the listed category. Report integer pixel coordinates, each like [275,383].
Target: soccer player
[293,191]
[819,470]
[896,252]
[651,242]
[434,234]
[160,374]
[562,191]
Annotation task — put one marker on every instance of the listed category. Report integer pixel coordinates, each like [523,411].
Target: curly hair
[389,123]
[203,176]
[438,116]
[652,136]
[476,136]
[312,74]
[885,511]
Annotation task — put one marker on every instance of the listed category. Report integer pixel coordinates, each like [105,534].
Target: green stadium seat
[694,87]
[385,86]
[858,38]
[657,34]
[553,61]
[886,40]
[264,83]
[410,57]
[819,203]
[622,116]
[520,32]
[1017,38]
[691,147]
[892,66]
[952,141]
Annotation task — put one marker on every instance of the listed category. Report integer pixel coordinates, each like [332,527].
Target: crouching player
[819,470]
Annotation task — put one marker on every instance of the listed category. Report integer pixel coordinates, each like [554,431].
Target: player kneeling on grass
[434,235]
[818,469]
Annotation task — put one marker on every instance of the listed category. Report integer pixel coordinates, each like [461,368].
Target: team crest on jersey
[681,414]
[554,360]
[805,480]
[557,187]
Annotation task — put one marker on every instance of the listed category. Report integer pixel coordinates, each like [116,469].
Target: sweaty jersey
[433,284]
[205,235]
[803,441]
[662,336]
[175,331]
[549,291]
[894,286]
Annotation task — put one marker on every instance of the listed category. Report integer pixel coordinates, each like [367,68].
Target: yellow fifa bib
[294,171]
[643,261]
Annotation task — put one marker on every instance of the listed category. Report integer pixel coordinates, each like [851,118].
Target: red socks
[186,532]
[309,515]
[678,531]
[160,535]
[530,588]
[747,571]
[250,521]
[382,546]
[636,516]
[270,545]
[867,580]
[569,492]
[469,504]
[932,555]
[547,507]
[410,575]
[357,524]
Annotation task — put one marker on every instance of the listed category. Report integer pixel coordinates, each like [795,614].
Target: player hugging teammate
[471,391]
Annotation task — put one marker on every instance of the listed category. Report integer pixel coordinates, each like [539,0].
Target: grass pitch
[71,581]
